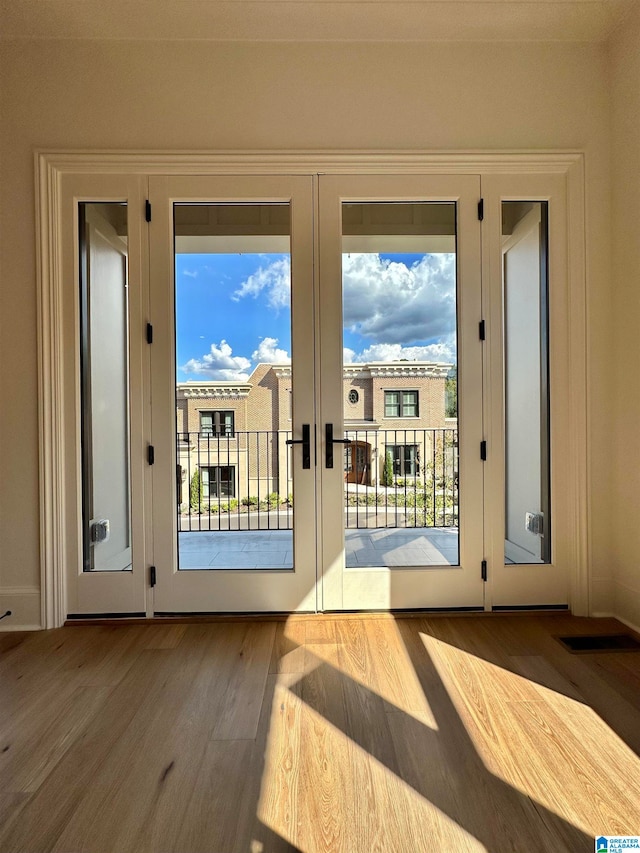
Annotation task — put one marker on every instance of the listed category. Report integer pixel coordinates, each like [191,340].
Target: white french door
[317,392]
[399,305]
[244,520]
[234,505]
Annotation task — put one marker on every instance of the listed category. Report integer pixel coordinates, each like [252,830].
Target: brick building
[234,433]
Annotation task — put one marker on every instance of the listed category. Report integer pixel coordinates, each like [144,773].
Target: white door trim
[52,166]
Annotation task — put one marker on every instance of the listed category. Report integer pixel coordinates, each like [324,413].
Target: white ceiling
[314,20]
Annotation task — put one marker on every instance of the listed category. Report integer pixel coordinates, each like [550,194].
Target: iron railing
[244,481]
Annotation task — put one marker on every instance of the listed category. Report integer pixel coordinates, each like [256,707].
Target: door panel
[401,256]
[527,414]
[105,380]
[235,489]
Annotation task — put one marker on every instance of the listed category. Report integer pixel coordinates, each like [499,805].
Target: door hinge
[482,330]
[147,210]
[152,575]
[483,569]
[481,209]
[149,333]
[151,454]
[483,451]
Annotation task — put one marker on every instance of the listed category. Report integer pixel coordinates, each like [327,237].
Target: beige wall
[283,96]
[625,125]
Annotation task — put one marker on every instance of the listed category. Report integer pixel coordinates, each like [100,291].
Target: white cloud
[219,364]
[190,273]
[442,352]
[274,280]
[268,352]
[348,355]
[388,302]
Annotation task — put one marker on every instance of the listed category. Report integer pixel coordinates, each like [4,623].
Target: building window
[218,481]
[217,423]
[401,404]
[353,396]
[405,458]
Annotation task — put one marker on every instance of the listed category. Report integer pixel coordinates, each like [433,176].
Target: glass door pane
[104,358]
[526,382]
[233,390]
[399,292]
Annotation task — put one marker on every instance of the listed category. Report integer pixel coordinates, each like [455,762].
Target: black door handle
[330,441]
[305,441]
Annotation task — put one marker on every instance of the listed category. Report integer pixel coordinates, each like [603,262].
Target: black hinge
[483,569]
[147,210]
[151,454]
[152,575]
[483,451]
[481,209]
[482,330]
[149,333]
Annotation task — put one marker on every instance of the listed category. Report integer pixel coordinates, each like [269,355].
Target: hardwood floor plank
[544,676]
[393,676]
[240,711]
[164,636]
[196,810]
[10,805]
[288,647]
[273,797]
[325,807]
[34,750]
[320,631]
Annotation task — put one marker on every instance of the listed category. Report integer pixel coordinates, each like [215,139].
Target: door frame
[59,510]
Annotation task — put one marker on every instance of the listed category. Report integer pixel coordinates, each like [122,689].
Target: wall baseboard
[627,605]
[24,604]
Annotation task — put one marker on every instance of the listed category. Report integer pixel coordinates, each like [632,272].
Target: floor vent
[600,643]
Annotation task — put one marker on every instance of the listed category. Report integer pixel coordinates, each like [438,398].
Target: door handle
[329,442]
[305,441]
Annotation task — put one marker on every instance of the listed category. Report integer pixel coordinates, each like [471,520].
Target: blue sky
[232,311]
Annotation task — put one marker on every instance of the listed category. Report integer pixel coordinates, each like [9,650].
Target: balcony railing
[392,478]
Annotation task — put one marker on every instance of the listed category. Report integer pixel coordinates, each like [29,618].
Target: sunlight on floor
[380,731]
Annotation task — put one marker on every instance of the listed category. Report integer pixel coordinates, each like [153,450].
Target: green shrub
[196,491]
[387,471]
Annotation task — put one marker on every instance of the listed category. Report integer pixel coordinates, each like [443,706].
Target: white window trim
[51,166]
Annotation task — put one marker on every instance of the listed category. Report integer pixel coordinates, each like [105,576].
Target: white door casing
[66,178]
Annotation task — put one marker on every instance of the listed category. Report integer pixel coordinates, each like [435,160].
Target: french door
[318,392]
[254,367]
[233,381]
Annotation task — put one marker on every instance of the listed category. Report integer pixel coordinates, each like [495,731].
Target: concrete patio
[273,549]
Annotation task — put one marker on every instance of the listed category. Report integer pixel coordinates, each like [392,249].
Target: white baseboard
[24,604]
[627,605]
[626,622]
[602,596]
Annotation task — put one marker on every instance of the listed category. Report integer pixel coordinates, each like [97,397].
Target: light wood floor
[318,734]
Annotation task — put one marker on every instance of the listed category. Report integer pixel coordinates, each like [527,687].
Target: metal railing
[244,480]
